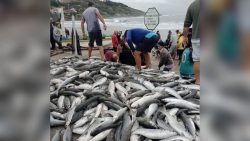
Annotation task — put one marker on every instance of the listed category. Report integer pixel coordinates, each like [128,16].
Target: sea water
[167,22]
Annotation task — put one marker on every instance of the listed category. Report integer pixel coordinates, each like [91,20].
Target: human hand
[105,27]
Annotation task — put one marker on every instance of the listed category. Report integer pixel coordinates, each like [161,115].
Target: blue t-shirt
[136,36]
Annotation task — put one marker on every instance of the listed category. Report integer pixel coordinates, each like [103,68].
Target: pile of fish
[92,100]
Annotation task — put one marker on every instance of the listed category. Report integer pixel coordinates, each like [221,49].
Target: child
[165,58]
[186,63]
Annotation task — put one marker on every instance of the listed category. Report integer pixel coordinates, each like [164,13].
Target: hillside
[108,9]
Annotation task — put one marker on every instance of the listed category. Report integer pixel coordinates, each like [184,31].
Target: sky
[165,7]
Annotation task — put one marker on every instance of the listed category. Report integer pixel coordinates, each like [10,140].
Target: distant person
[57,35]
[180,47]
[178,33]
[173,48]
[91,16]
[67,33]
[193,18]
[55,16]
[168,40]
[119,36]
[111,56]
[165,58]
[158,33]
[144,41]
[52,40]
[115,40]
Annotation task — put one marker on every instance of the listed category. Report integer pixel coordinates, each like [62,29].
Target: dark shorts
[95,36]
[147,44]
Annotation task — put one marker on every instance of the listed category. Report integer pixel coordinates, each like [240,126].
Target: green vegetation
[108,9]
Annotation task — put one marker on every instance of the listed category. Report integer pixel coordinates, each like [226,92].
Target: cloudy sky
[165,7]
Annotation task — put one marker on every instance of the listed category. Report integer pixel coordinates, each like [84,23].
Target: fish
[135,86]
[56,137]
[154,133]
[109,101]
[101,135]
[70,115]
[58,115]
[121,88]
[181,103]
[82,121]
[176,138]
[55,122]
[145,99]
[67,136]
[151,110]
[99,82]
[111,89]
[84,87]
[149,85]
[82,75]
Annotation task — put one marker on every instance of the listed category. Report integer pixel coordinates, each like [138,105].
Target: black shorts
[147,44]
[95,36]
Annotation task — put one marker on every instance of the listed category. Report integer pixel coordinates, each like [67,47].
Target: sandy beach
[107,43]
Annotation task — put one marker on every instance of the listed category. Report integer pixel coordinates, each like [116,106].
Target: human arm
[101,19]
[188,22]
[129,41]
[82,26]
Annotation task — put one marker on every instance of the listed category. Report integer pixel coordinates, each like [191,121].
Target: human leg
[98,38]
[147,59]
[196,59]
[197,72]
[53,43]
[101,51]
[91,43]
[137,56]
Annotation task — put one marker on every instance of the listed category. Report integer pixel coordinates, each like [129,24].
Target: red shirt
[115,41]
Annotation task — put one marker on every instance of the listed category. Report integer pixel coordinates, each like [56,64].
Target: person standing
[91,16]
[168,40]
[193,18]
[178,34]
[158,33]
[165,58]
[144,41]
